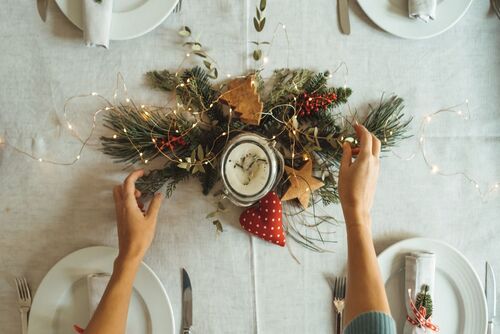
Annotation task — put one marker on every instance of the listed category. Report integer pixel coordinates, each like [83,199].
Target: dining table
[242,284]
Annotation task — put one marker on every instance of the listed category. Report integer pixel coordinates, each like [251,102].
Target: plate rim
[475,275]
[61,5]
[145,270]
[414,37]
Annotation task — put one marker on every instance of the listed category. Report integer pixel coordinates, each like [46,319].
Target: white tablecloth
[49,211]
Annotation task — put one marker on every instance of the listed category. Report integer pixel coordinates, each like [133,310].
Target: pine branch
[386,121]
[317,83]
[163,79]
[169,176]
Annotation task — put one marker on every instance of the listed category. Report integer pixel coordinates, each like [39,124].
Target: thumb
[154,206]
[346,160]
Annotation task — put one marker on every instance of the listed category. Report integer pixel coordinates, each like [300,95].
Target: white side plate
[459,301]
[61,299]
[131,18]
[392,16]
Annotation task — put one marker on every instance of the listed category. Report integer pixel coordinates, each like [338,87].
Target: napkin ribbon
[78,329]
[420,314]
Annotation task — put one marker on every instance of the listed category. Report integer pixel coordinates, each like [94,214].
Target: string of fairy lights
[461,110]
[293,130]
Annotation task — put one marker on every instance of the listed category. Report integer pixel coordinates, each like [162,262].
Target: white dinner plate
[392,16]
[131,18]
[62,301]
[459,301]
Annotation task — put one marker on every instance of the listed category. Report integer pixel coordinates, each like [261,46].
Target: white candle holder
[250,168]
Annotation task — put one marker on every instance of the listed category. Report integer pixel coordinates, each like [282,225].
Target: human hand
[136,227]
[358,179]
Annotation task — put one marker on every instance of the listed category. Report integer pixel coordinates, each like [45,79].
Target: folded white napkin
[97,22]
[420,269]
[96,285]
[422,9]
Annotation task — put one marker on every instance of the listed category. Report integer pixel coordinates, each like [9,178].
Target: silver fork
[24,301]
[178,7]
[338,301]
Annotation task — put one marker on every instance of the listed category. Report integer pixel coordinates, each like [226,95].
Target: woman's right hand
[136,228]
[358,179]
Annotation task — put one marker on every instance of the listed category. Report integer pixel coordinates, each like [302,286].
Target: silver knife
[42,8]
[345,25]
[490,289]
[187,303]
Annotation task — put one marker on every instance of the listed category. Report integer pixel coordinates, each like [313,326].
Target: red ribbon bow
[78,329]
[420,315]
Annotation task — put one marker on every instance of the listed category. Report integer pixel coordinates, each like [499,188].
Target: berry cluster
[308,104]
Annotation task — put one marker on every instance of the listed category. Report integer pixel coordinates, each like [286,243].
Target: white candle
[247,169]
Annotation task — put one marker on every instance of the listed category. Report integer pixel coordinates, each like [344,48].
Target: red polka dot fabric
[265,220]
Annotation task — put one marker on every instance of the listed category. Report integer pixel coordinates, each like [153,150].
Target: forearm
[110,316]
[365,288]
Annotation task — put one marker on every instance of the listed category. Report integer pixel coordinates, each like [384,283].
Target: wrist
[354,216]
[126,263]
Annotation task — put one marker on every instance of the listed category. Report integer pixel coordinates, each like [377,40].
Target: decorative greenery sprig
[259,22]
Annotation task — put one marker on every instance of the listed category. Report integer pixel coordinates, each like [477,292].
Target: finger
[355,151]
[154,206]
[137,193]
[129,184]
[365,139]
[376,146]
[346,160]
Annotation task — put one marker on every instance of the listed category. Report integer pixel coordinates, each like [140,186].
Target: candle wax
[247,169]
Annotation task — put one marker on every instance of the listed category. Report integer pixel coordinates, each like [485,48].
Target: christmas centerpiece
[268,140]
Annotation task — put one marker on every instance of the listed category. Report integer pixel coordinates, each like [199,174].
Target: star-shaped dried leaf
[302,184]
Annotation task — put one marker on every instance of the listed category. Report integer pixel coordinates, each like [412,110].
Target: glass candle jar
[250,168]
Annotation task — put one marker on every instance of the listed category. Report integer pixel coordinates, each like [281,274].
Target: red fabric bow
[78,329]
[420,315]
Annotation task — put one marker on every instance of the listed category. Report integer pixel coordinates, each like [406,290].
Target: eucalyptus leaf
[196,46]
[254,42]
[211,214]
[265,43]
[185,31]
[218,225]
[221,206]
[183,165]
[256,24]
[201,154]
[257,54]
[262,24]
[200,54]
[262,5]
[207,64]
[258,13]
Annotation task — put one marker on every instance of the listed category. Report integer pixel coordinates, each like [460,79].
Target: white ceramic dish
[392,16]
[61,299]
[131,18]
[459,301]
